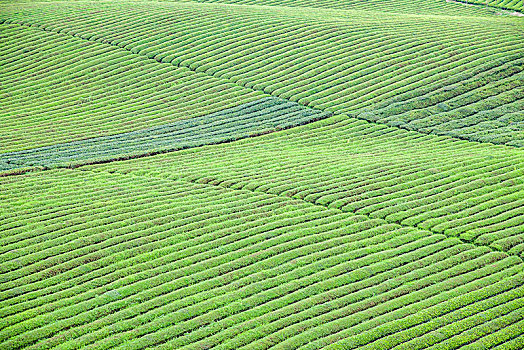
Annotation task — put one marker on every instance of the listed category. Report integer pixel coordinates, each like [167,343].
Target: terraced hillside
[458,76]
[469,190]
[57,88]
[174,264]
[389,6]
[517,5]
[433,7]
[256,174]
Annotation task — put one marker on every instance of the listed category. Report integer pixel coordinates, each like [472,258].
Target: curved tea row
[249,119]
[57,89]
[339,61]
[459,188]
[168,264]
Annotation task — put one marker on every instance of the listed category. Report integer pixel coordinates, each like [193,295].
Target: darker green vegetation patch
[485,106]
[250,119]
[452,75]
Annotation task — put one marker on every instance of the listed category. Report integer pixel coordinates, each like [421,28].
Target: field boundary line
[100,41]
[195,181]
[259,117]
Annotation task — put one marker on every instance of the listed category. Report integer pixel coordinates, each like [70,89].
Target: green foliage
[462,189]
[66,89]
[503,4]
[171,264]
[250,119]
[383,226]
[450,75]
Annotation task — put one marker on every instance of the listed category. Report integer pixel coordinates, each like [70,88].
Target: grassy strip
[255,118]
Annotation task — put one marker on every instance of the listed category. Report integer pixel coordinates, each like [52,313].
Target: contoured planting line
[453,187]
[260,117]
[229,268]
[328,205]
[145,51]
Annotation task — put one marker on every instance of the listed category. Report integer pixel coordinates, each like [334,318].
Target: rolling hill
[284,174]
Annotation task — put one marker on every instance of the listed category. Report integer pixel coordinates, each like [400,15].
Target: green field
[256,174]
[517,5]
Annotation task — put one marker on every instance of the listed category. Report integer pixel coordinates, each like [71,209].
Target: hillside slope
[261,174]
[172,264]
[425,7]
[452,75]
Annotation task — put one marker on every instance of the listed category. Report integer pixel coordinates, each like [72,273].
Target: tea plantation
[256,174]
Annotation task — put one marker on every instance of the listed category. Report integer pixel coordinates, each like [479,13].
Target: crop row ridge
[353,114]
[229,188]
